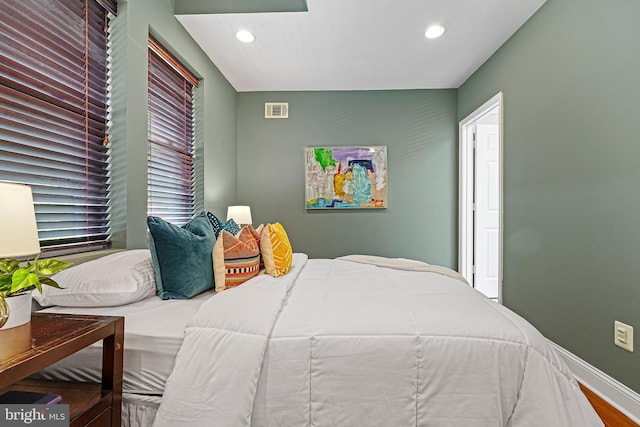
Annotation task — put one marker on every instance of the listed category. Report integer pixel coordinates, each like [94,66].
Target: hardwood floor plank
[609,415]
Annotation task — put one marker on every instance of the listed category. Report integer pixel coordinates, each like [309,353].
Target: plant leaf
[8,265]
[5,282]
[50,282]
[50,267]
[30,267]
[23,280]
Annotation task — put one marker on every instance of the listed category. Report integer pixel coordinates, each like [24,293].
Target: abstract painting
[346,177]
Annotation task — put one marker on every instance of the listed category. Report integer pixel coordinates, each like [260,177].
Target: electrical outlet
[623,335]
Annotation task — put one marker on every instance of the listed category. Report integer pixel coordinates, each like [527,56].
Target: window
[53,116]
[171,149]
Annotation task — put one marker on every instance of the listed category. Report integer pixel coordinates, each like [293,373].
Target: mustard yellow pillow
[236,259]
[275,249]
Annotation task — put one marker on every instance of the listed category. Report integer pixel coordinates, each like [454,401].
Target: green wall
[215,130]
[420,129]
[571,87]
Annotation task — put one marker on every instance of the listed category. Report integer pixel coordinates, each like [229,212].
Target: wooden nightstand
[56,336]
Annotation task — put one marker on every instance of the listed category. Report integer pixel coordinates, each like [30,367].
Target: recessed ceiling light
[434,31]
[245,36]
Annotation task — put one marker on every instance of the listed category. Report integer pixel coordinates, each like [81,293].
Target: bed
[354,341]
[123,284]
[154,332]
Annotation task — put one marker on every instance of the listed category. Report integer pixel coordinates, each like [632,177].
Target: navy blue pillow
[231,226]
[182,256]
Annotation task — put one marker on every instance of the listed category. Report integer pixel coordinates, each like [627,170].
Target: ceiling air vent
[276,110]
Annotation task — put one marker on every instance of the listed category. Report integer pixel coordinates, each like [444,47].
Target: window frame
[170,137]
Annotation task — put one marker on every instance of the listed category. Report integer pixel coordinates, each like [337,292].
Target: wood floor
[609,415]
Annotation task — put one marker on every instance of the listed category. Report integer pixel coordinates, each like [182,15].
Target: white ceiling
[358,44]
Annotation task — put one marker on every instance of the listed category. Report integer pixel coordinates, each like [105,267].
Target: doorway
[480,227]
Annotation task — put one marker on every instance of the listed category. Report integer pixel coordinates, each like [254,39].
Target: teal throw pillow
[182,256]
[231,226]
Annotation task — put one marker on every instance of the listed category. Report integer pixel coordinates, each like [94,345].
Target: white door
[487,209]
[480,166]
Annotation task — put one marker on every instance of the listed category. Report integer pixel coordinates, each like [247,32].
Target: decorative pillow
[256,232]
[275,250]
[236,259]
[181,256]
[231,226]
[116,279]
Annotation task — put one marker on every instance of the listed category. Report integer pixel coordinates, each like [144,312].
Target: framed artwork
[346,177]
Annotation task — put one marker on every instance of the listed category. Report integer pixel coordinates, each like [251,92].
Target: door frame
[466,189]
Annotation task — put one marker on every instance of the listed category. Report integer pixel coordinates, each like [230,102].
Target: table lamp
[18,227]
[240,214]
[18,239]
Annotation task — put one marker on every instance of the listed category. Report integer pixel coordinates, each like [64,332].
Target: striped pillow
[276,250]
[236,259]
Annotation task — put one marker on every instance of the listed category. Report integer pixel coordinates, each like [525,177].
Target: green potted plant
[16,280]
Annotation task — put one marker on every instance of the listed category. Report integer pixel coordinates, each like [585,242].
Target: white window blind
[53,116]
[170,177]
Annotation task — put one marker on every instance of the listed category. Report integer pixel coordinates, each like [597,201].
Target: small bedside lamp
[240,214]
[18,227]
[18,238]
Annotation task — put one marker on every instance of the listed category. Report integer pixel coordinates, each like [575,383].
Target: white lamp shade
[18,228]
[240,214]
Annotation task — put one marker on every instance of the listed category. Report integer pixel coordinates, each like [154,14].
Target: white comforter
[342,343]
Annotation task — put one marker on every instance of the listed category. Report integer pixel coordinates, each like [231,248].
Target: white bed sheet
[154,331]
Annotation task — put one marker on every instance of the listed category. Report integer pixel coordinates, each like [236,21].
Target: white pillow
[116,279]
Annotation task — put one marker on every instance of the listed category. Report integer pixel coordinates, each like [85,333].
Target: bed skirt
[139,410]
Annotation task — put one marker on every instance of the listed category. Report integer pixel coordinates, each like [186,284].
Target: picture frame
[349,177]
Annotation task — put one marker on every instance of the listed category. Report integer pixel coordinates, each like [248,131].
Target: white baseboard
[614,392]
